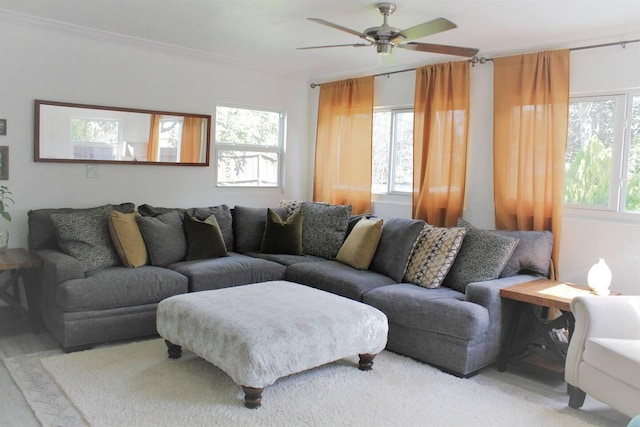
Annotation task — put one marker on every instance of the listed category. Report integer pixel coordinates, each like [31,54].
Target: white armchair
[603,359]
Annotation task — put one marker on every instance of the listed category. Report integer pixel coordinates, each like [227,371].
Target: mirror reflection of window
[170,139]
[95,138]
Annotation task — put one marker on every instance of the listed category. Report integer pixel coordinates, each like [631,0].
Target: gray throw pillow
[324,228]
[395,246]
[222,213]
[483,255]
[165,238]
[84,235]
[249,225]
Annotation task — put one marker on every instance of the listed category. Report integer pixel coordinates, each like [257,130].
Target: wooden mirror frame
[41,105]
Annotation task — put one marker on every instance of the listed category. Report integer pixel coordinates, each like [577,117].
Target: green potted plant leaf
[5,200]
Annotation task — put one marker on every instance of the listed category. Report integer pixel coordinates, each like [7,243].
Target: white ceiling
[265,33]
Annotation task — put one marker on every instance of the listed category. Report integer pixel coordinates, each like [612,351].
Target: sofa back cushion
[532,254]
[42,231]
[395,246]
[222,213]
[249,225]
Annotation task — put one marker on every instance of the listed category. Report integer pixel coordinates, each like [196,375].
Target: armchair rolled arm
[599,316]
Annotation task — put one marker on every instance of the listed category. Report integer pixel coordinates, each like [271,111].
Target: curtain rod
[481,60]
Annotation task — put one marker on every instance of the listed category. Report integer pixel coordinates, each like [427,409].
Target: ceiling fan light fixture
[384,48]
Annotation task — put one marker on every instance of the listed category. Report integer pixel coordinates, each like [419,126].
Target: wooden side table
[544,293]
[22,263]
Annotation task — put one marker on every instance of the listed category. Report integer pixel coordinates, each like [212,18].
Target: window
[249,147]
[602,163]
[95,138]
[392,151]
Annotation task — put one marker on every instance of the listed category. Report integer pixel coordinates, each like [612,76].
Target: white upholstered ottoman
[261,332]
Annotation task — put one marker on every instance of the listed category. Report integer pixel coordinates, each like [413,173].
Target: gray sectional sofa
[457,326]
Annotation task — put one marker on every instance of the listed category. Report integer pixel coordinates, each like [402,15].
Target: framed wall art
[4,162]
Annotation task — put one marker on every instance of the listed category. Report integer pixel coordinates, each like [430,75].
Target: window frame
[620,152]
[393,151]
[279,150]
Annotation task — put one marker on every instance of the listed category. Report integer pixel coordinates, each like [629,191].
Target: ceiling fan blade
[426,29]
[440,48]
[334,45]
[338,27]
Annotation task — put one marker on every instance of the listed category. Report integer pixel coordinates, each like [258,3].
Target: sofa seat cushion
[337,278]
[234,270]
[619,358]
[441,310]
[286,259]
[119,287]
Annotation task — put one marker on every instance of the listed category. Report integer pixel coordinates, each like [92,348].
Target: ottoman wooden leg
[175,351]
[252,397]
[366,361]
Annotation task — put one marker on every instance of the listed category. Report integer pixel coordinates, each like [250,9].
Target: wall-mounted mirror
[66,132]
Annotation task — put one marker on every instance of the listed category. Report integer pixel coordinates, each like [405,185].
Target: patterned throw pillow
[324,228]
[292,206]
[482,256]
[84,234]
[433,255]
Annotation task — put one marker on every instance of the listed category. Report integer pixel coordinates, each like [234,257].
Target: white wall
[584,239]
[37,62]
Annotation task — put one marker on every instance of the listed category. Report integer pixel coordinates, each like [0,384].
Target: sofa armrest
[604,317]
[58,267]
[487,294]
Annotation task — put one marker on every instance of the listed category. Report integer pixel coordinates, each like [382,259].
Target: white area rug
[137,385]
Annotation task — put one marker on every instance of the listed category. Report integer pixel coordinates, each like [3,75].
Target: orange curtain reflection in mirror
[153,148]
[440,128]
[531,107]
[191,142]
[343,144]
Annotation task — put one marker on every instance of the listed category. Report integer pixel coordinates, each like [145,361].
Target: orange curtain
[190,144]
[153,148]
[531,104]
[343,144]
[440,127]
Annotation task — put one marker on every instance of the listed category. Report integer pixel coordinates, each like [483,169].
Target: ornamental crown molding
[73,30]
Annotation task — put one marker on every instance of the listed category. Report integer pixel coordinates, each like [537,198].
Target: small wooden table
[22,263]
[545,293]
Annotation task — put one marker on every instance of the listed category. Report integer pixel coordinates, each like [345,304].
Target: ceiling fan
[386,37]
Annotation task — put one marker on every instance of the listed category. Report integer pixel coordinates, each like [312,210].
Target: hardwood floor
[17,337]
